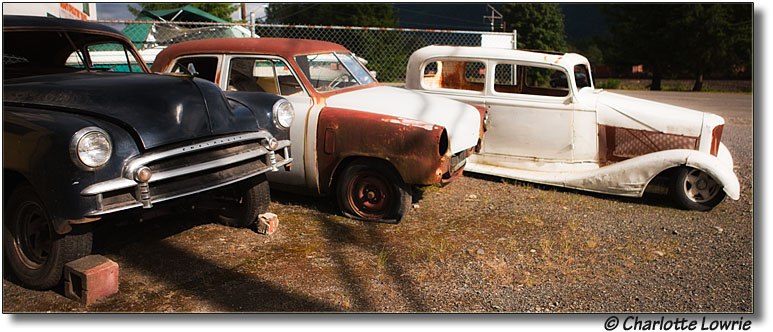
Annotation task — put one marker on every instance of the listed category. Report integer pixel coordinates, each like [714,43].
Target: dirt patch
[480,244]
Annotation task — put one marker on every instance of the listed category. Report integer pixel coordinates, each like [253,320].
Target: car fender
[410,146]
[719,167]
[36,146]
[631,177]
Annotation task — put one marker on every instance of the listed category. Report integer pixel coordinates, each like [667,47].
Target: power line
[305,8]
[439,16]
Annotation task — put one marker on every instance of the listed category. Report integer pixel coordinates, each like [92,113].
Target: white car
[354,139]
[548,124]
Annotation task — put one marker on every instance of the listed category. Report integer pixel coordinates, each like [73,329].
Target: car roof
[435,51]
[20,22]
[277,46]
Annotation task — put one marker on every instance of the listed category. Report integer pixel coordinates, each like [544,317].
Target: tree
[670,39]
[539,25]
[344,14]
[219,9]
[386,50]
[717,38]
[643,34]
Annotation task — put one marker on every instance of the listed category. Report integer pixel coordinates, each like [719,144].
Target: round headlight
[284,114]
[91,146]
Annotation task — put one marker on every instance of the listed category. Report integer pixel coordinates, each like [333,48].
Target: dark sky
[580,20]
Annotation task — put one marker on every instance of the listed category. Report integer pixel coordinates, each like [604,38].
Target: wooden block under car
[90,278]
[268,223]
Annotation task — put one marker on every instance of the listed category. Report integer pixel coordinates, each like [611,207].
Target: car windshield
[28,53]
[333,71]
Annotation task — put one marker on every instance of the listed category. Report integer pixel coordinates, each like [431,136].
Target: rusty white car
[548,124]
[359,141]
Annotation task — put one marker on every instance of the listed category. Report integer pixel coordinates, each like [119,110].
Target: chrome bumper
[187,170]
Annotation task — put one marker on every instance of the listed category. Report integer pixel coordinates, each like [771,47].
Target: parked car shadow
[140,246]
[340,235]
[649,198]
[324,204]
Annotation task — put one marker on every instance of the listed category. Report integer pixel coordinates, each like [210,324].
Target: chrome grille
[189,169]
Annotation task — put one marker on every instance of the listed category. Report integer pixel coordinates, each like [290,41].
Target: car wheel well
[350,159]
[12,180]
[661,180]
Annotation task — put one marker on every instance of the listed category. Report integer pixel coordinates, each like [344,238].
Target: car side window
[457,75]
[205,65]
[505,78]
[105,56]
[262,75]
[530,80]
[581,76]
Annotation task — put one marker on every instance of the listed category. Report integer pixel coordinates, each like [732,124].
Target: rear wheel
[36,253]
[694,189]
[372,191]
[244,202]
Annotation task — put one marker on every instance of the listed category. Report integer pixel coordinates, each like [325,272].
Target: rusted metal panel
[409,145]
[716,136]
[618,144]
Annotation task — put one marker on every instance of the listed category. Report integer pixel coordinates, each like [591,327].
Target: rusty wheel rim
[369,195]
[33,235]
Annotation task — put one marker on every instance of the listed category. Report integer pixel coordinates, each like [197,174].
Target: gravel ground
[480,244]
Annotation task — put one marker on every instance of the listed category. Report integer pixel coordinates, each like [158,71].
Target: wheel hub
[34,238]
[369,195]
[700,187]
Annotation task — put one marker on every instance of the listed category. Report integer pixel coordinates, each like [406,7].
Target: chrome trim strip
[122,183]
[161,199]
[208,165]
[133,165]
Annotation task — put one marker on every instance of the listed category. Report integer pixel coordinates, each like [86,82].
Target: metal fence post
[252,24]
[515,39]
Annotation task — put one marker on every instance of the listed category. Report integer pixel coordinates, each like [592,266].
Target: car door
[530,113]
[273,75]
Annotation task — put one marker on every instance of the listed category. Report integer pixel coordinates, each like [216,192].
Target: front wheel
[694,189]
[36,253]
[372,191]
[244,202]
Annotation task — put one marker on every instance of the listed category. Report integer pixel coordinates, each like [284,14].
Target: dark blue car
[88,132]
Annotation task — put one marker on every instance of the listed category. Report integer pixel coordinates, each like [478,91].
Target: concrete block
[268,223]
[90,278]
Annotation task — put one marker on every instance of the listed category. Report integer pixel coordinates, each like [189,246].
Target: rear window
[28,53]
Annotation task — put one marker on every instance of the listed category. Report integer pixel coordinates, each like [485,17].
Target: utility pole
[244,11]
[495,15]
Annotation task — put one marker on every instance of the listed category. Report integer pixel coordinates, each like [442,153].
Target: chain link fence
[386,50]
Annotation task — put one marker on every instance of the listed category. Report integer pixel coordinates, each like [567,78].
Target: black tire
[372,191]
[35,252]
[245,201]
[693,189]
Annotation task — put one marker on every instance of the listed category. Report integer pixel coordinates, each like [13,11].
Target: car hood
[462,121]
[629,112]
[158,109]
